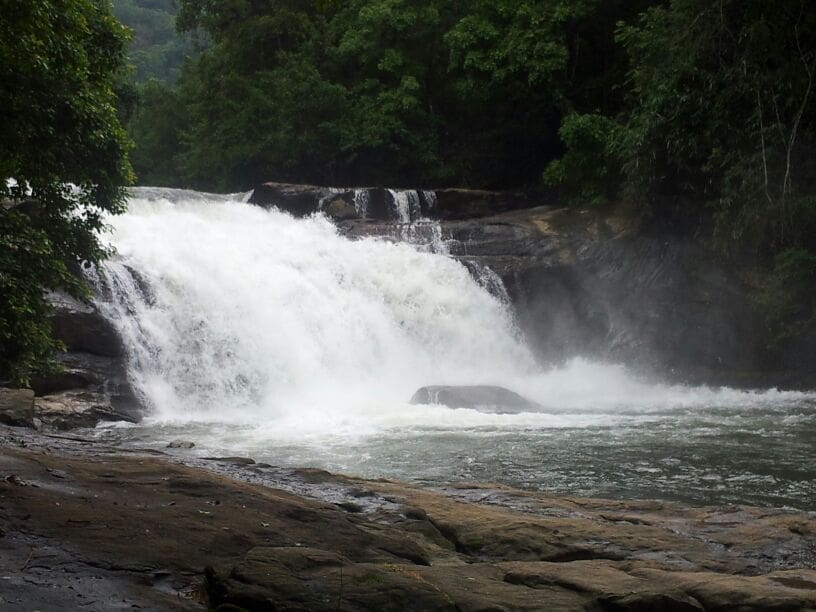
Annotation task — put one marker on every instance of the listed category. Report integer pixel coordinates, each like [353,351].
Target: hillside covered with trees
[699,100]
[698,112]
[156,50]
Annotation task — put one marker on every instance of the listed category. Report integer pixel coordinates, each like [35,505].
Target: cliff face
[583,284]
[588,283]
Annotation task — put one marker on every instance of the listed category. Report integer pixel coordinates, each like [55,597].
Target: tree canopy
[156,51]
[700,112]
[419,92]
[61,142]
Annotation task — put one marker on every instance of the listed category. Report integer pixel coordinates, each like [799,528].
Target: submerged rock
[482,398]
[186,444]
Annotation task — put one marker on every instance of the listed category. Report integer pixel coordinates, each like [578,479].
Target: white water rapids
[252,332]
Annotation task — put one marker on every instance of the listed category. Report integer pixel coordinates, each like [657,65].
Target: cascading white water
[242,311]
[234,312]
[251,332]
[361,202]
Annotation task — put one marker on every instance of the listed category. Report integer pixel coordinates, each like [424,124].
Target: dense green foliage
[721,121]
[384,91]
[58,125]
[788,300]
[720,112]
[699,111]
[156,50]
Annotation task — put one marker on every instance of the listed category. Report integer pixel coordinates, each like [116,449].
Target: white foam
[254,317]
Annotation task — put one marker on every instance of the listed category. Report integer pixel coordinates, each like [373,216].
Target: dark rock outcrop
[479,397]
[83,329]
[343,204]
[93,369]
[17,407]
[379,204]
[600,285]
[297,200]
[588,284]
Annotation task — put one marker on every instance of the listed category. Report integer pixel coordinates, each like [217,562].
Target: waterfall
[226,308]
[406,205]
[252,332]
[361,202]
[233,313]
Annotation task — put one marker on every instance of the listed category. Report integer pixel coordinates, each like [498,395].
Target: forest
[698,114]
[156,50]
[695,114]
[699,104]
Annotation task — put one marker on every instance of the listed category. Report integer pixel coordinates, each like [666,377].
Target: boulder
[81,327]
[76,409]
[483,398]
[340,210]
[297,200]
[17,407]
[83,371]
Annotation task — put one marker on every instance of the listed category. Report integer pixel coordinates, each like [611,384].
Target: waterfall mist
[233,313]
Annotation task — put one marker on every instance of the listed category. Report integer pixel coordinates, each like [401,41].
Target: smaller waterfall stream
[406,205]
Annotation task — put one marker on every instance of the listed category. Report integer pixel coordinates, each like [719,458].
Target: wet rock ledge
[83,526]
[91,384]
[604,284]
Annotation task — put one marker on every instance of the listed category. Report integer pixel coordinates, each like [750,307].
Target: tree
[60,139]
[404,92]
[156,51]
[725,109]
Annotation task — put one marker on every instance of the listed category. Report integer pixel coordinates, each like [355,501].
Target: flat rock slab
[76,409]
[61,411]
[483,398]
[138,531]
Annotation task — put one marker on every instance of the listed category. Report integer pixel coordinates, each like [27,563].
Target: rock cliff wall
[590,283]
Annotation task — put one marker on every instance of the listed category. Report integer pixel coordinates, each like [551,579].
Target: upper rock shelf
[381,204]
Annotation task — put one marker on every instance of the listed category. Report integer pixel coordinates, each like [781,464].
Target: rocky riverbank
[86,525]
